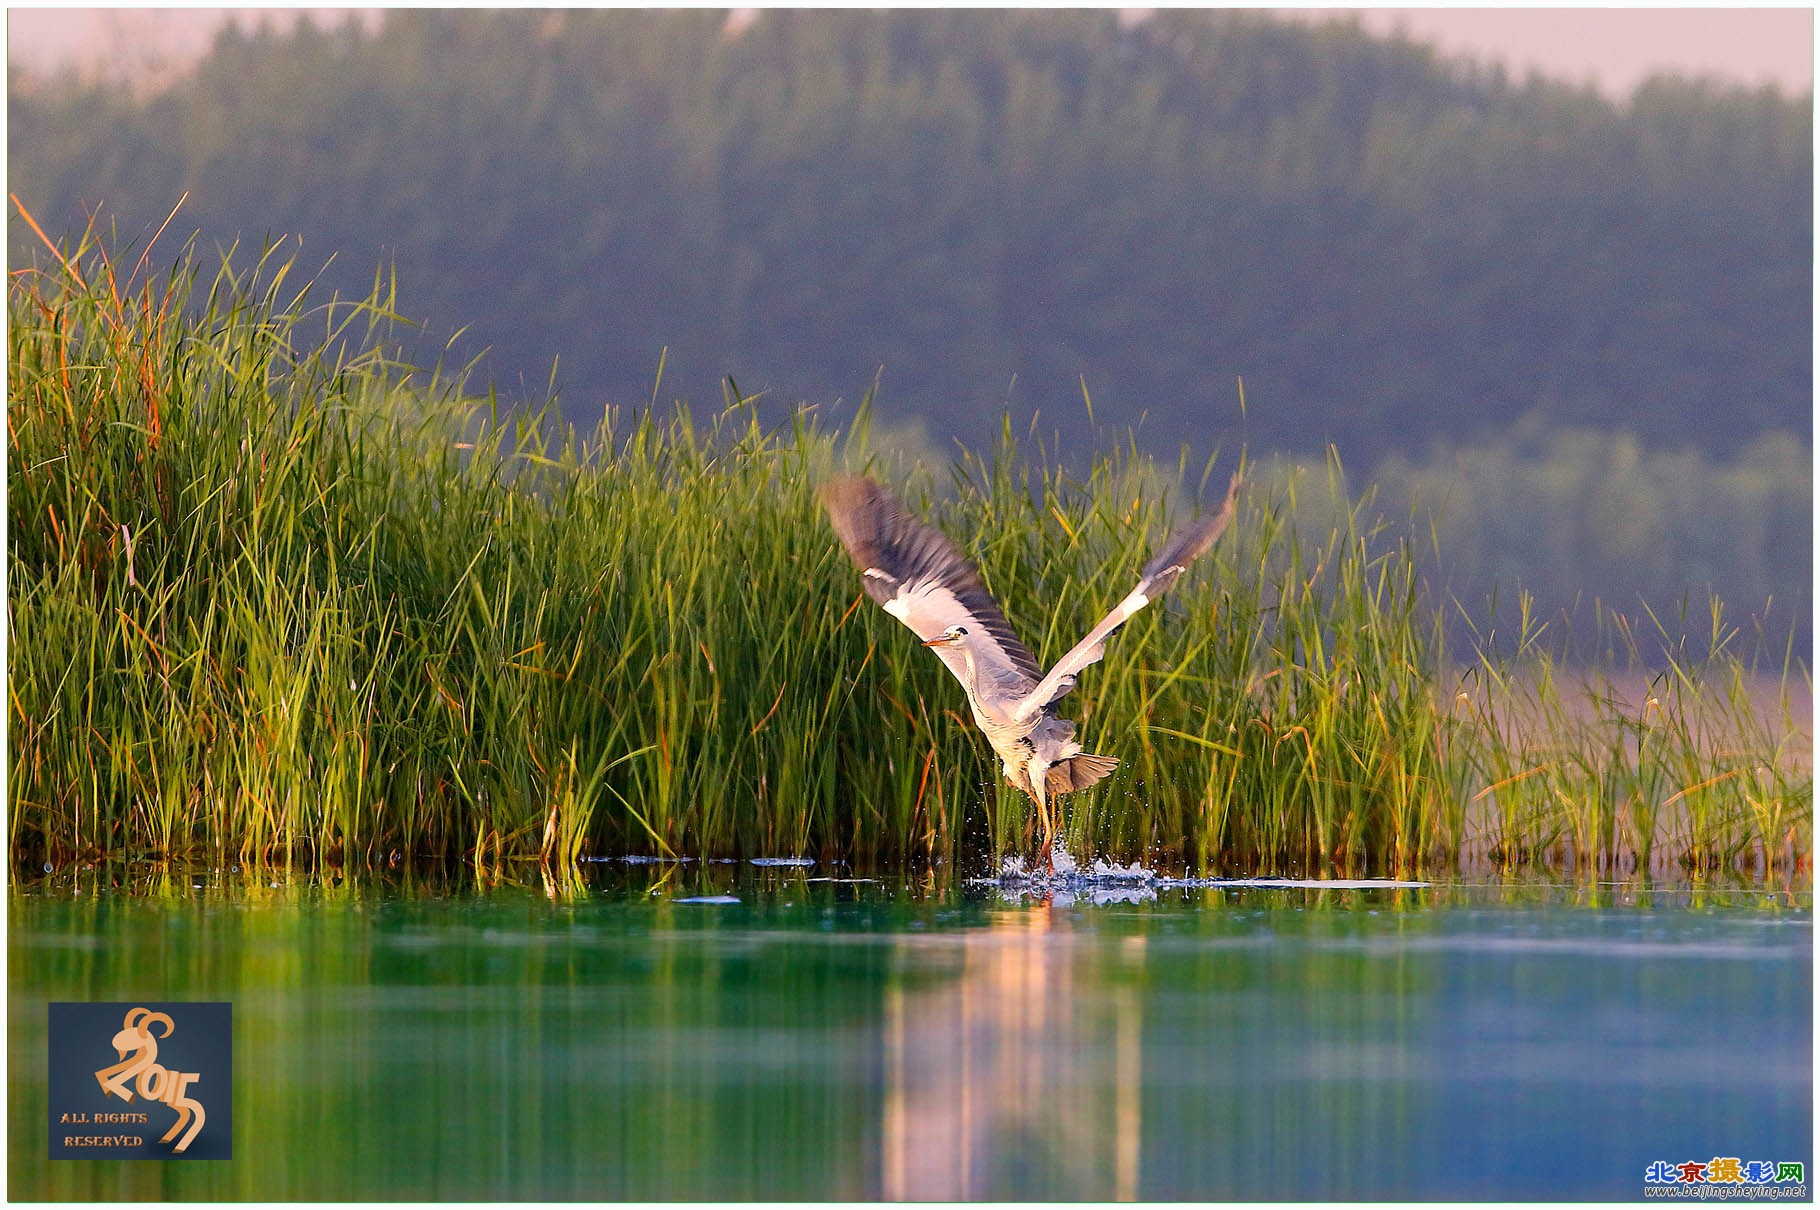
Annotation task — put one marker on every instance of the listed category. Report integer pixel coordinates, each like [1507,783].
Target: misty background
[1568,337]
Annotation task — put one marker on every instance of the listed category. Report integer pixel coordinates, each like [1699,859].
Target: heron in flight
[915,572]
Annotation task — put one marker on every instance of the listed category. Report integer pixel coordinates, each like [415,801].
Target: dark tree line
[1580,325]
[1387,247]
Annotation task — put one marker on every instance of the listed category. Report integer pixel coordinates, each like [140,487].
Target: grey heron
[915,572]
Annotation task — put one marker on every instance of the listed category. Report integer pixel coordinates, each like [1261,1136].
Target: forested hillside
[1386,247]
[1578,330]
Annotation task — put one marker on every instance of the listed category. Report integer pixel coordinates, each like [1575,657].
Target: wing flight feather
[915,572]
[1163,570]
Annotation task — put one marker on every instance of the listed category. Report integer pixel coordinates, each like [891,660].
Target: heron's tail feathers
[1078,772]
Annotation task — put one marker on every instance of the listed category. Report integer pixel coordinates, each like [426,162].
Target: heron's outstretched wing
[1164,568]
[915,572]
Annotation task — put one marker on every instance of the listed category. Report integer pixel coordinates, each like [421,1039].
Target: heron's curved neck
[973,672]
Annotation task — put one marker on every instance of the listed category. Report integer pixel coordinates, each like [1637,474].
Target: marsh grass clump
[277,598]
[1638,763]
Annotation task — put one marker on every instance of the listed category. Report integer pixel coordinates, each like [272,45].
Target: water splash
[1106,882]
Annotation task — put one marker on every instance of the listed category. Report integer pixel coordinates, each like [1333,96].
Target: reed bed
[277,599]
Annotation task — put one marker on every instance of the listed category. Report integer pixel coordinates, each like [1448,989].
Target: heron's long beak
[940,640]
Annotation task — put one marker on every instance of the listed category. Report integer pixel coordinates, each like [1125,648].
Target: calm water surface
[799,1036]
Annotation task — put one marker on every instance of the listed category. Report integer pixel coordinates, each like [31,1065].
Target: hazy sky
[1616,49]
[1611,48]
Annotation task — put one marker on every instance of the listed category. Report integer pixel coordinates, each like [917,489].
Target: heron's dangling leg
[1018,775]
[1039,776]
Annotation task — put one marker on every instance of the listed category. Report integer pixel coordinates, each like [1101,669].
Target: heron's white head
[954,636]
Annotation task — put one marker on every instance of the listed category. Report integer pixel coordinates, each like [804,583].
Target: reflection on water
[715,1032]
[1019,1077]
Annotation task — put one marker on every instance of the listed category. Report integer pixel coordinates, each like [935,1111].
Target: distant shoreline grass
[277,600]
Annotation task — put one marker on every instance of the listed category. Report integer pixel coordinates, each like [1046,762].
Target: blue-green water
[795,1037]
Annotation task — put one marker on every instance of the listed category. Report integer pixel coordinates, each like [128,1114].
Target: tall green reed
[277,598]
